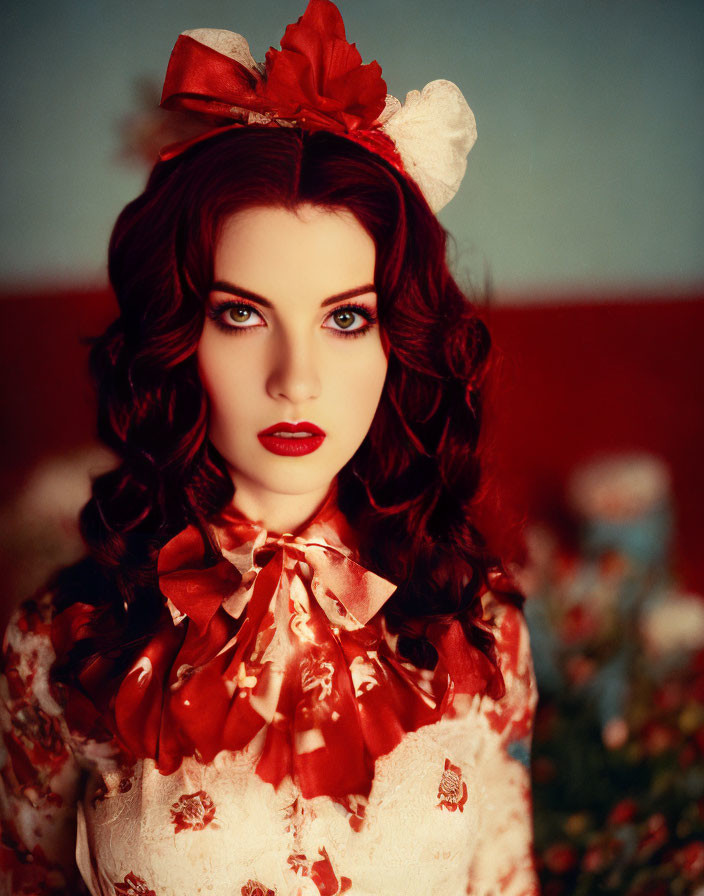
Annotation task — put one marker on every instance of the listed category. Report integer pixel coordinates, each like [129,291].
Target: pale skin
[277,346]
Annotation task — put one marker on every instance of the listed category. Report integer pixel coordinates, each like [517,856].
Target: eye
[235,316]
[242,315]
[352,319]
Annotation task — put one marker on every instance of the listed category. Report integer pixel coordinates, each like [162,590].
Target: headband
[317,81]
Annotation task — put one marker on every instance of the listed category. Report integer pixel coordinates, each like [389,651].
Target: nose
[294,370]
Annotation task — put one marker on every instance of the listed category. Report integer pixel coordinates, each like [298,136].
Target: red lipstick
[306,437]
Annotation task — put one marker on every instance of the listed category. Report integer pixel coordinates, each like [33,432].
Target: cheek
[358,390]
[222,372]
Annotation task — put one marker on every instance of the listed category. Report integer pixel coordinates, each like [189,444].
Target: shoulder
[508,625]
[31,719]
[28,653]
[40,775]
[51,718]
[28,706]
[473,670]
[511,715]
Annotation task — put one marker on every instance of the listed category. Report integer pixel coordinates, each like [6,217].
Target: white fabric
[408,843]
[434,131]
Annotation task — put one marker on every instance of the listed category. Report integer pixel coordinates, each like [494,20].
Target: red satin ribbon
[200,79]
[316,81]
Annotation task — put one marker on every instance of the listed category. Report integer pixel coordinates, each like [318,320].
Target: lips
[303,427]
[292,438]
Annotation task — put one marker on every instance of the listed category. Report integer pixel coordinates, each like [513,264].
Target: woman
[279,668]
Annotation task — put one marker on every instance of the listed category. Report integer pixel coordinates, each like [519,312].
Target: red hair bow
[316,81]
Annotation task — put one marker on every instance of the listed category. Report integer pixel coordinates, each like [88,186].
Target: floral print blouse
[357,772]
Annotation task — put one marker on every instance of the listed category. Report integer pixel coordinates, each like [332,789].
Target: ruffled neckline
[280,648]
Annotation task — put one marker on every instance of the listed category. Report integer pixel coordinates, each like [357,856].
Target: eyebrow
[224,286]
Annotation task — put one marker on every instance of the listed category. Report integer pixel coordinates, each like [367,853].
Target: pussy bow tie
[281,640]
[316,560]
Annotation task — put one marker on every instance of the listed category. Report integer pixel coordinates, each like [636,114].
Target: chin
[286,482]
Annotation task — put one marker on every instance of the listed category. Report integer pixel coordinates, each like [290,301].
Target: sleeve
[40,778]
[503,863]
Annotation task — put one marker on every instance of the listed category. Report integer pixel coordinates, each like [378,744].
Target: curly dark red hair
[411,487]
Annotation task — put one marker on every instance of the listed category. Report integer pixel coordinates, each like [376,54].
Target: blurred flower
[560,857]
[577,824]
[580,669]
[619,487]
[657,737]
[601,854]
[618,747]
[623,812]
[673,624]
[690,859]
[670,695]
[615,733]
[691,719]
[613,565]
[654,835]
[624,503]
[579,624]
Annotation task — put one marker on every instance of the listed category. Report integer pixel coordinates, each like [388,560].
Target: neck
[277,513]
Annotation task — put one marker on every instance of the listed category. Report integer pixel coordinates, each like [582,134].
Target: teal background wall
[588,174]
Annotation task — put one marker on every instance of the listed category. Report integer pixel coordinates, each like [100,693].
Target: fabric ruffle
[280,646]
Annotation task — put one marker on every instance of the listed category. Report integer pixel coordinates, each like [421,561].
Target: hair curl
[410,499]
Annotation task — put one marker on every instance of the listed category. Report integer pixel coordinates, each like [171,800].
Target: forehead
[307,253]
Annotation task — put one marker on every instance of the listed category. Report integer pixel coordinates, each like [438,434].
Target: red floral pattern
[325,878]
[254,888]
[192,811]
[452,791]
[299,863]
[320,871]
[133,886]
[356,806]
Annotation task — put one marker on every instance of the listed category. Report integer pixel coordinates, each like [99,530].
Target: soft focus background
[581,219]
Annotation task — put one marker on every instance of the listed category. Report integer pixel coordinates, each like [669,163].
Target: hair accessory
[317,81]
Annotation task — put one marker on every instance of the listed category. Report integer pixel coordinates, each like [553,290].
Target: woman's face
[290,337]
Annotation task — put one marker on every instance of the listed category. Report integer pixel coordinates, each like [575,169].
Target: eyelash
[217,312]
